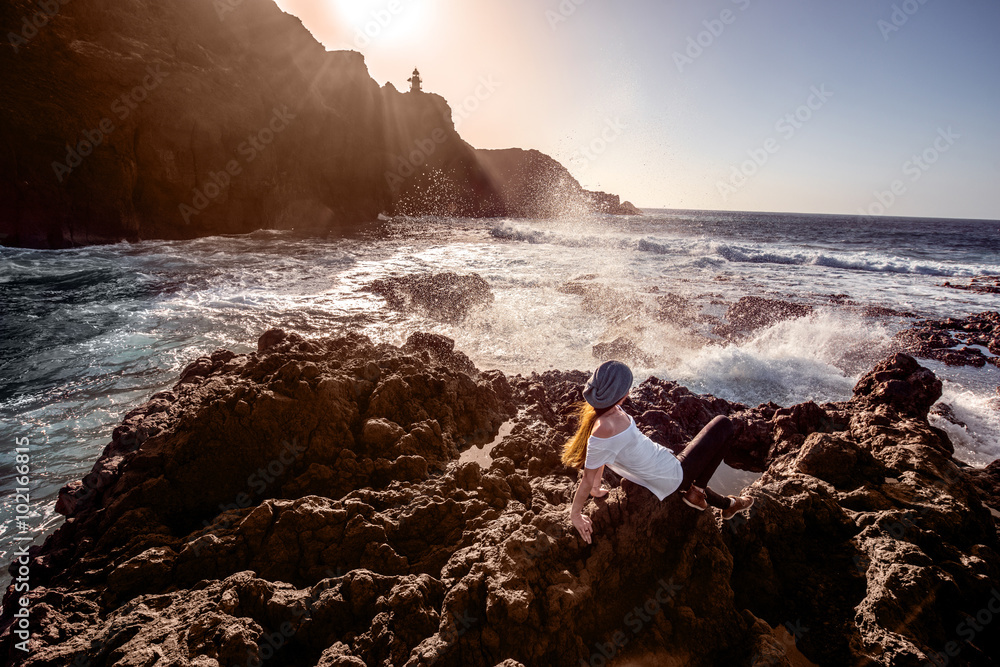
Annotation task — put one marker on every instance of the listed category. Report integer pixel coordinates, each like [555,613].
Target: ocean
[87,334]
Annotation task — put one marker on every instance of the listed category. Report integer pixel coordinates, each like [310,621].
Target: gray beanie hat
[608,385]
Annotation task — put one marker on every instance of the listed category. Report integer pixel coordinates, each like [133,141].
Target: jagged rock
[885,539]
[292,420]
[444,296]
[751,313]
[949,340]
[868,543]
[675,309]
[980,284]
[899,383]
[622,349]
[987,481]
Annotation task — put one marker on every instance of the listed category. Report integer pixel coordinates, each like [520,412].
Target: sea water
[87,334]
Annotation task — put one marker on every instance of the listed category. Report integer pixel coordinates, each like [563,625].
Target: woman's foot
[737,505]
[599,492]
[695,497]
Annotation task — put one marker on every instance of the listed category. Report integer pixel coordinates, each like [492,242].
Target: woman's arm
[580,521]
[597,491]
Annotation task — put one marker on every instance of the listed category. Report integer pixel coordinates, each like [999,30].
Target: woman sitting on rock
[607,436]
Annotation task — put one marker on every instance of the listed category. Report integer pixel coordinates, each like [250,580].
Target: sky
[886,107]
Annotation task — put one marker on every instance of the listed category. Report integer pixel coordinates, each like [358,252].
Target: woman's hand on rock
[583,526]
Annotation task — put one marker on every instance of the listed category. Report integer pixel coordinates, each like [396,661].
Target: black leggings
[701,458]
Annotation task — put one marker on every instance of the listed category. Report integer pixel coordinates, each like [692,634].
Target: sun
[383,24]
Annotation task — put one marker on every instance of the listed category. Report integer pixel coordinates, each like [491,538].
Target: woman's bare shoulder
[610,424]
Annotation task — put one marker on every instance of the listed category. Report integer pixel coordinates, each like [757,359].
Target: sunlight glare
[384,24]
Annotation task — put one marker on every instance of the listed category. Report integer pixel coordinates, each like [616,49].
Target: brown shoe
[740,504]
[695,497]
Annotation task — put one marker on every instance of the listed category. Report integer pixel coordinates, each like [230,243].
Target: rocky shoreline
[193,119]
[305,505]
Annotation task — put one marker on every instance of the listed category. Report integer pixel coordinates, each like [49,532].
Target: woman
[607,436]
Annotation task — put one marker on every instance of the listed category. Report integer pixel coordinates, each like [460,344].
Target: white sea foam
[778,253]
[855,262]
[977,437]
[816,357]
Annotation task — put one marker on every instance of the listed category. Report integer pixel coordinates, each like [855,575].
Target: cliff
[134,119]
[307,505]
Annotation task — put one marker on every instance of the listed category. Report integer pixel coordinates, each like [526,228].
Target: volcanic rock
[444,296]
[305,505]
[624,350]
[987,481]
[899,383]
[948,340]
[979,284]
[751,313]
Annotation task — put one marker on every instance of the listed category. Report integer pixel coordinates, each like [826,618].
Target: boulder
[751,313]
[448,297]
[901,384]
[305,505]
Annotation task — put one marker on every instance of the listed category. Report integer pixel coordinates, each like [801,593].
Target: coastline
[371,500]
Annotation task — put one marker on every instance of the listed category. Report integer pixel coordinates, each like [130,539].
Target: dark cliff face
[180,118]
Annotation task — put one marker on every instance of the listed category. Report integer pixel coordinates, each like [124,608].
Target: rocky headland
[308,504]
[183,118]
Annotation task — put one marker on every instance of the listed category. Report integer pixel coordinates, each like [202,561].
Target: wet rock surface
[979,284]
[967,341]
[443,296]
[305,505]
[751,313]
[623,349]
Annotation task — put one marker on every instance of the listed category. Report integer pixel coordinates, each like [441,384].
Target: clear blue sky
[674,130]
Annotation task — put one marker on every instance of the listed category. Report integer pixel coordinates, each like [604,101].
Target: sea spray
[817,357]
[972,422]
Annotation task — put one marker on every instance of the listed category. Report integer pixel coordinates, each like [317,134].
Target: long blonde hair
[574,452]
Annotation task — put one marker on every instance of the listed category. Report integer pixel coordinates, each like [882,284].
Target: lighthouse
[415,81]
